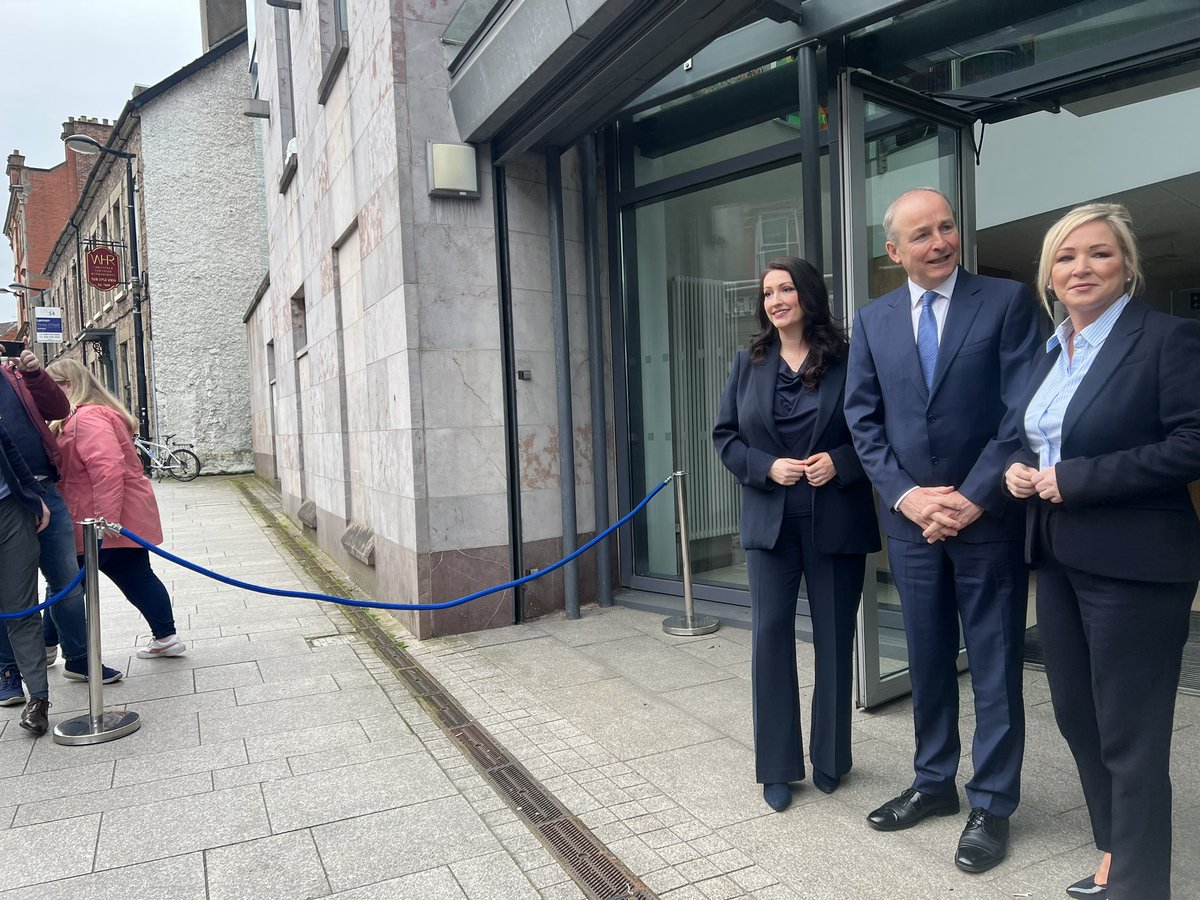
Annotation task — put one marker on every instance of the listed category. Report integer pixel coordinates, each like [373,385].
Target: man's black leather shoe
[34,716]
[910,808]
[984,842]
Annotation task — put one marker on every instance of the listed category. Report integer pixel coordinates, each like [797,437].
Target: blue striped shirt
[1048,408]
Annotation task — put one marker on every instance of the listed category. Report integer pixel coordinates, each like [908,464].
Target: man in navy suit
[937,368]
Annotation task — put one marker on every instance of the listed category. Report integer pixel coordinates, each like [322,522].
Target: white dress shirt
[1048,408]
[941,306]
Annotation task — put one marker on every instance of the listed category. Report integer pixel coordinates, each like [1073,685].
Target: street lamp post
[81,143]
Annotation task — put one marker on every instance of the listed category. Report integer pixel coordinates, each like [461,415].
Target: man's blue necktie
[927,338]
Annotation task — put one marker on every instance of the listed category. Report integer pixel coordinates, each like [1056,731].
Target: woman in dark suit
[1111,439]
[807,510]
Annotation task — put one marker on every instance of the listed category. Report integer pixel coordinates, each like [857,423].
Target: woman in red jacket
[102,478]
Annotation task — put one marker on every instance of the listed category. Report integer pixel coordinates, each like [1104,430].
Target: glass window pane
[754,110]
[692,294]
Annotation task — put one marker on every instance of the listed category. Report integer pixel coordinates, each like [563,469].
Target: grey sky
[66,58]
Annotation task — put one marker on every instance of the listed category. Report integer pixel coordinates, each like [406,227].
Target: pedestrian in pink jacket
[102,478]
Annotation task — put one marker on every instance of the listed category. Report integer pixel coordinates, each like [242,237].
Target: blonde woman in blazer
[1110,440]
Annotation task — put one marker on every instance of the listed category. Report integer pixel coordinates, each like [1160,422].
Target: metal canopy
[542,73]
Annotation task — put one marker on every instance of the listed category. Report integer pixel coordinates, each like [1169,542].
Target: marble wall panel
[540,458]
[541,513]
[533,320]
[527,166]
[475,212]
[386,325]
[446,252]
[461,388]
[527,210]
[530,258]
[402,119]
[371,225]
[464,461]
[476,521]
[383,268]
[397,568]
[401,405]
[459,317]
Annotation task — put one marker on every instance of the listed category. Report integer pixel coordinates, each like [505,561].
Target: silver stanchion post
[689,623]
[97,726]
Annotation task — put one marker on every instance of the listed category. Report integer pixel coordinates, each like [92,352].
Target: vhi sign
[103,268]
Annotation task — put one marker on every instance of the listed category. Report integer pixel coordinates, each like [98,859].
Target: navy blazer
[748,442]
[1130,446]
[23,487]
[960,433]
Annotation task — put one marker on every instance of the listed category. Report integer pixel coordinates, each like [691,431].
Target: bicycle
[168,458]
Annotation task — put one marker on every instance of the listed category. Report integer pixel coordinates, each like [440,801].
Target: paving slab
[284,867]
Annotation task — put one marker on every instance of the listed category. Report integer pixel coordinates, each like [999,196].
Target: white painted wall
[204,257]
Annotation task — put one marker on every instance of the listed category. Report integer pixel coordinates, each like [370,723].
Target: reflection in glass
[693,303]
[903,151]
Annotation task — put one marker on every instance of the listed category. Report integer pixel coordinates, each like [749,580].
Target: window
[285,102]
[335,43]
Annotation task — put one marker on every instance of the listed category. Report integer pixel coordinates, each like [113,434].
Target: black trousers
[834,590]
[1113,654]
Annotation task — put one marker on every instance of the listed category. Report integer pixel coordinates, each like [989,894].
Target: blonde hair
[86,389]
[1116,217]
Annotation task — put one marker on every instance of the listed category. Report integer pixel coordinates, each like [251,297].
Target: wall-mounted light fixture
[452,170]
[293,5]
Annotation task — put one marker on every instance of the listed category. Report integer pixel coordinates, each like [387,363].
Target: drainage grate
[597,870]
[526,795]
[451,714]
[480,746]
[417,680]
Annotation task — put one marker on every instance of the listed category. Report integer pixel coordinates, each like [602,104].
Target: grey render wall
[203,215]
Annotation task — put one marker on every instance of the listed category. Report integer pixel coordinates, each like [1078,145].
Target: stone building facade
[198,206]
[377,392]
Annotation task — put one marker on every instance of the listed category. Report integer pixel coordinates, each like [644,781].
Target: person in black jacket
[1110,439]
[22,515]
[807,511]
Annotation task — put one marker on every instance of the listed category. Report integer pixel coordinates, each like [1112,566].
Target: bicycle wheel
[184,465]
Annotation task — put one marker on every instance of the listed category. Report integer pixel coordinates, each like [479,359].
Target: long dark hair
[826,340]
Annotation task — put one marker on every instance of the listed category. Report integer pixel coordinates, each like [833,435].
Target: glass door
[892,140]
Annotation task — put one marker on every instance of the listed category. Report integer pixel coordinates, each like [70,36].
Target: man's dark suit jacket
[1131,444]
[748,443]
[963,431]
[23,487]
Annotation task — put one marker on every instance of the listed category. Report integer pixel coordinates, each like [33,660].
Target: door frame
[854,88]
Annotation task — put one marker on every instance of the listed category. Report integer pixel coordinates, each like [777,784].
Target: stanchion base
[686,627]
[113,725]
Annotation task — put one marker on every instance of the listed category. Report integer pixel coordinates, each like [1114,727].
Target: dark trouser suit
[1113,654]
[986,586]
[834,588]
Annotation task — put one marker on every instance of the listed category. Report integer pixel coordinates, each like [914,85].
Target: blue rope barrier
[375,604]
[29,612]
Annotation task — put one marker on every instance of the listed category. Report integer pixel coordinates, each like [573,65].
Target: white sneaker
[51,654]
[168,646]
